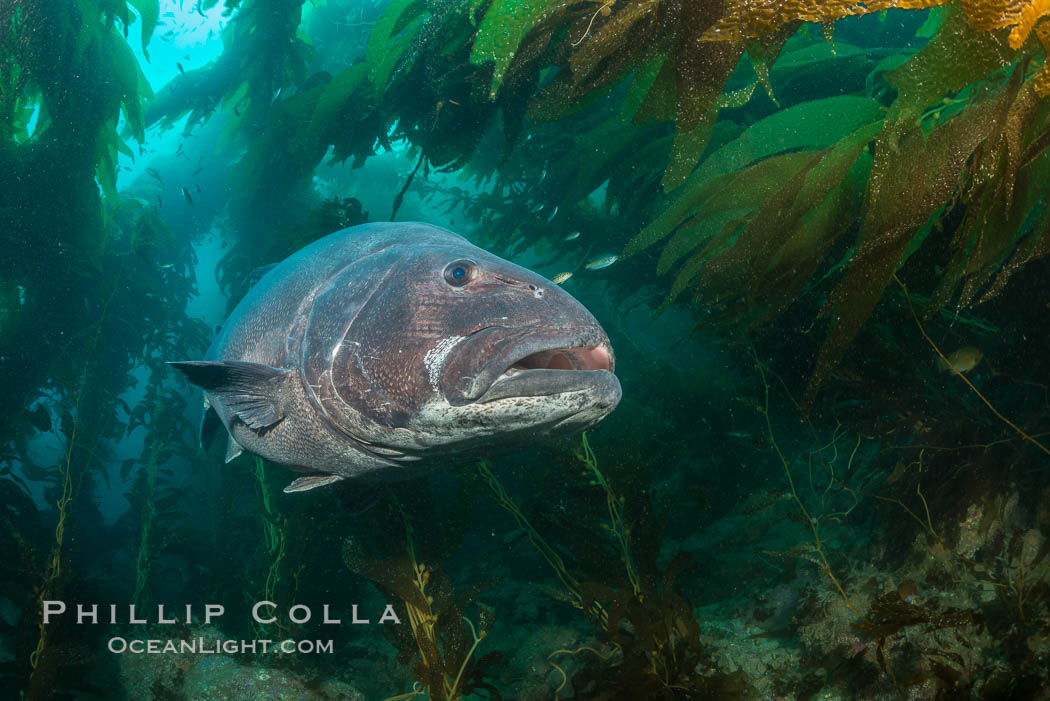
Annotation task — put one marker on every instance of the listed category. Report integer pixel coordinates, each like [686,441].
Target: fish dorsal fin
[309,482]
[233,449]
[258,273]
[250,390]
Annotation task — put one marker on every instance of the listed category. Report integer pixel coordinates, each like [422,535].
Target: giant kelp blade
[387,43]
[809,125]
[701,72]
[909,183]
[956,57]
[743,192]
[503,29]
[149,13]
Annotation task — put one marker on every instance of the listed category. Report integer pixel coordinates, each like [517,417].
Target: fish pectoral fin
[309,482]
[233,449]
[249,390]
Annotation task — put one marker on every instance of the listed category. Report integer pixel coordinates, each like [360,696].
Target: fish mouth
[501,363]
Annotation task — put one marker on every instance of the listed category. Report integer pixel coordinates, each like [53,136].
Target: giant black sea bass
[385,350]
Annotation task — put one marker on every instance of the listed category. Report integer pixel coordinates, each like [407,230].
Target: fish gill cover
[816,234]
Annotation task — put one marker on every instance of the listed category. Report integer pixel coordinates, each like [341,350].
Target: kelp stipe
[436,638]
[655,651]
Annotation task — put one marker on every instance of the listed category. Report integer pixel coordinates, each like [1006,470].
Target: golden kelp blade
[748,20]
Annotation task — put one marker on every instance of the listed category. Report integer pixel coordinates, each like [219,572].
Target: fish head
[457,348]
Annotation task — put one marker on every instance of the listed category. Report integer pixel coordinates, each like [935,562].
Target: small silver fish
[602,261]
[573,236]
[560,278]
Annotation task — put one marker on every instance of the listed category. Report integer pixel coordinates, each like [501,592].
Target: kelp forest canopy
[726,180]
[840,197]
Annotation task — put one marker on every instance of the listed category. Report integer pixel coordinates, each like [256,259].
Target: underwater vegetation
[818,234]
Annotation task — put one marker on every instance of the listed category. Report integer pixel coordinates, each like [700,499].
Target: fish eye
[460,272]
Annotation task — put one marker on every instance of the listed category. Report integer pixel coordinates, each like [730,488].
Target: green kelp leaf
[504,27]
[657,103]
[816,124]
[802,65]
[131,83]
[1002,236]
[763,54]
[1034,247]
[934,18]
[390,38]
[89,29]
[755,182]
[744,193]
[956,57]
[149,13]
[696,265]
[686,149]
[702,229]
[792,208]
[106,170]
[816,232]
[335,96]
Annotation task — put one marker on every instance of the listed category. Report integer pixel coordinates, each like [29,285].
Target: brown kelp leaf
[809,125]
[912,177]
[761,245]
[701,72]
[748,183]
[957,56]
[747,19]
[1035,246]
[764,53]
[595,47]
[1042,81]
[735,195]
[988,232]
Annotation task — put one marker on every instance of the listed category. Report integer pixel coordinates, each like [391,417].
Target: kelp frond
[747,19]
